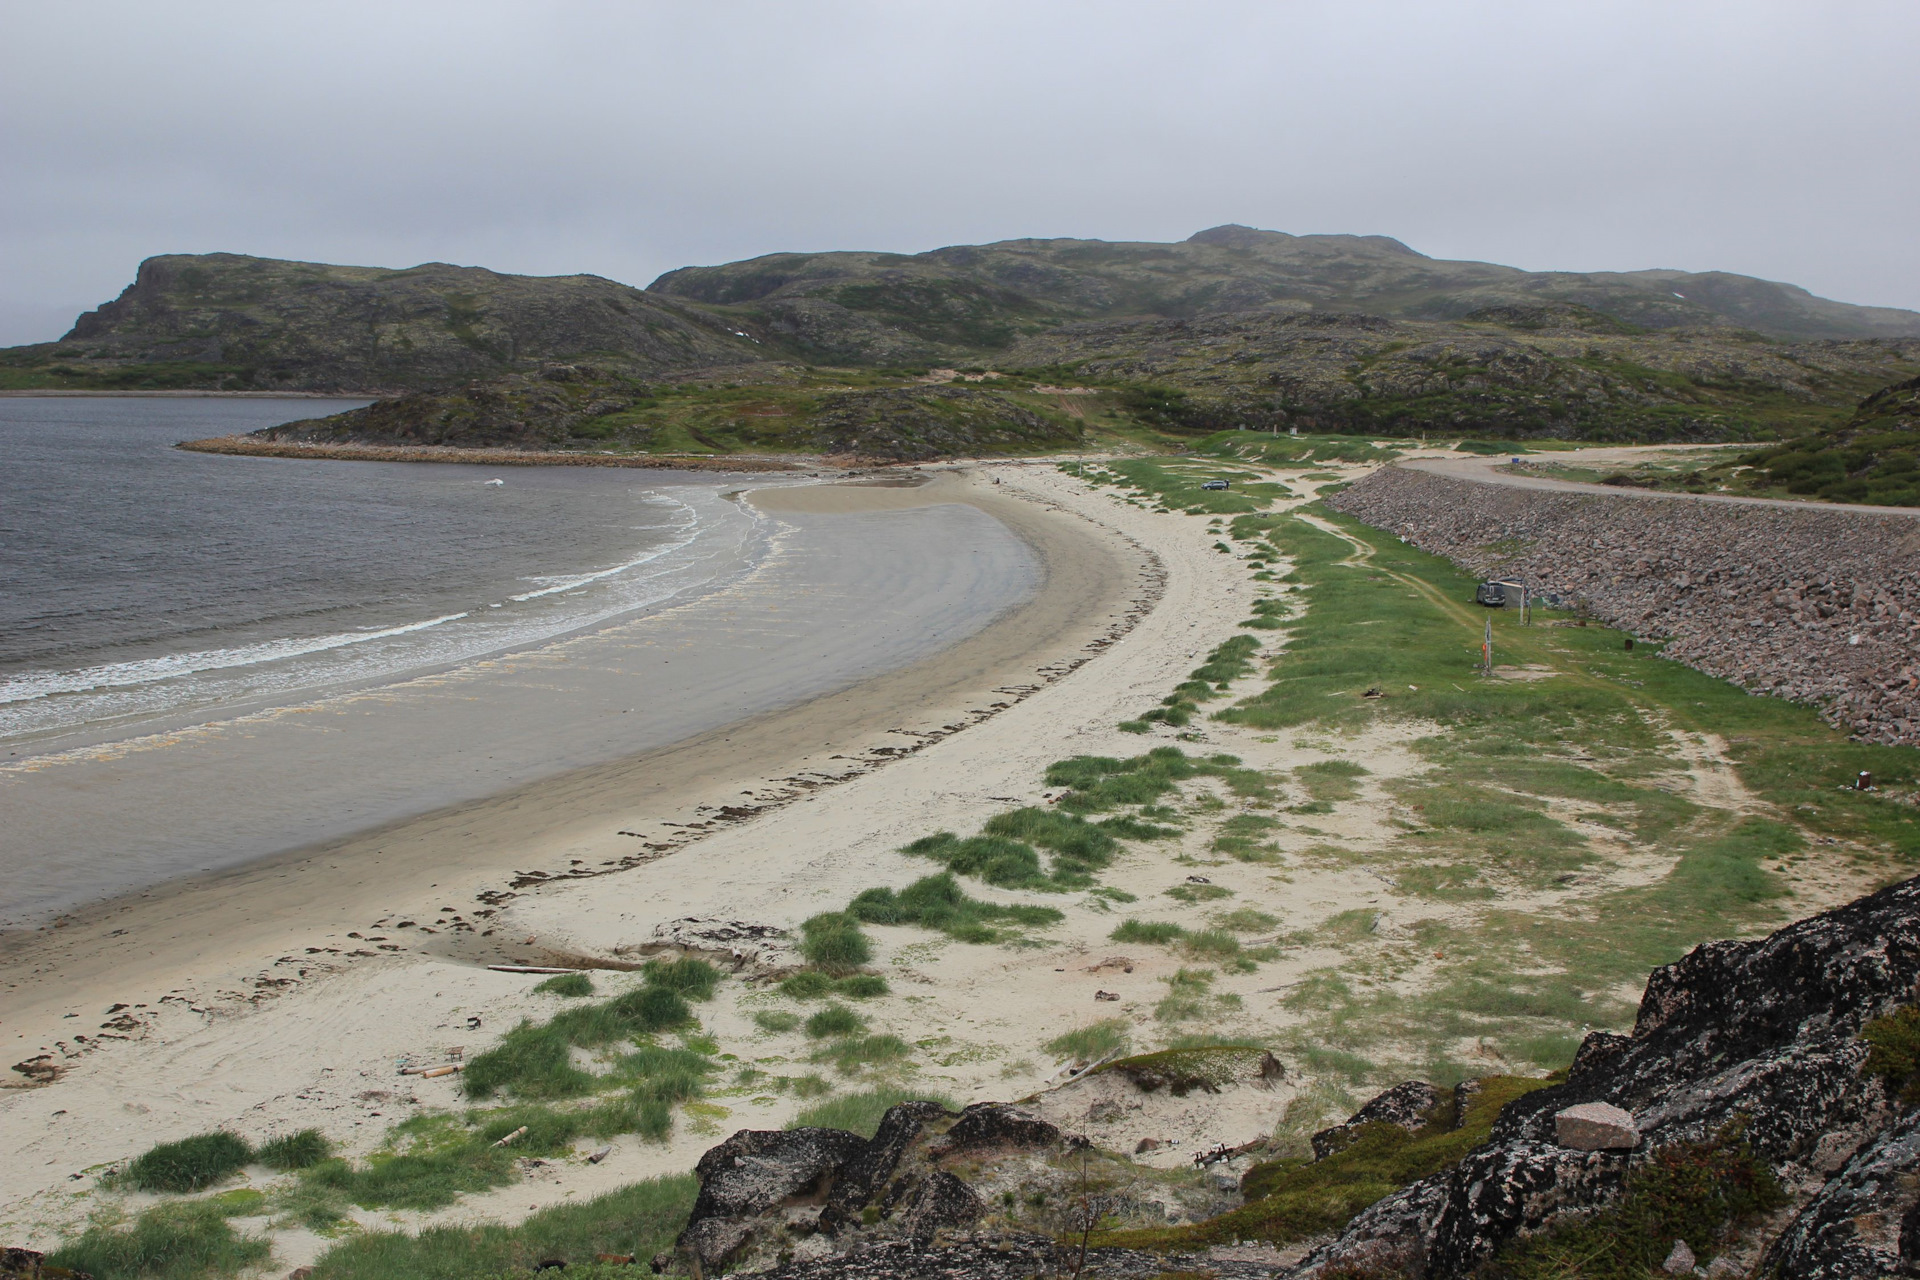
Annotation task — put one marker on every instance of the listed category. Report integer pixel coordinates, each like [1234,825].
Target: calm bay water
[137,579]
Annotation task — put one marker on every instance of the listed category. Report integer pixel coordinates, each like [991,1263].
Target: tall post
[1486,649]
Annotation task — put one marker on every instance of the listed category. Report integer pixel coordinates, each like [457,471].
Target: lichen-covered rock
[1389,1237]
[1499,1191]
[942,1203]
[754,1171]
[1865,1222]
[865,1175]
[997,1125]
[1410,1106]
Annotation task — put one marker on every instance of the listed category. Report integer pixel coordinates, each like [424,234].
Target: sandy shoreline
[246,446]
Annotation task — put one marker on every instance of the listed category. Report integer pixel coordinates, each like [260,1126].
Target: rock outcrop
[1816,605]
[1751,1052]
[1757,1038]
[928,1182]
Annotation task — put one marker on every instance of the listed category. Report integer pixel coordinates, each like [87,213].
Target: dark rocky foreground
[1754,1046]
[1819,606]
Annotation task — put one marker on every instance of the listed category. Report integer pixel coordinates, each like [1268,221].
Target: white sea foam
[120,675]
[688,528]
[707,540]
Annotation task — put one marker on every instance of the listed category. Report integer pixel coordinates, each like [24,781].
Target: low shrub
[572,985]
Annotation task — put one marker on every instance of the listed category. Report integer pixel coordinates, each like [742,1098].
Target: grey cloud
[625,139]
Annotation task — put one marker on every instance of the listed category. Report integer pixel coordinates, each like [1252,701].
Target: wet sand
[221,930]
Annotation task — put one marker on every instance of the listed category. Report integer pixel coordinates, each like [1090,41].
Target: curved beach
[215,931]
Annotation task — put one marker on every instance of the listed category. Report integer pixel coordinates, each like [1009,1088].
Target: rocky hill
[1232,327]
[882,306]
[223,320]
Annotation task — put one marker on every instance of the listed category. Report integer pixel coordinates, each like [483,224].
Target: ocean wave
[688,528]
[120,675]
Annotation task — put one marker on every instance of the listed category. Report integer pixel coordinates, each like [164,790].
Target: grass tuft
[300,1150]
[572,985]
[189,1164]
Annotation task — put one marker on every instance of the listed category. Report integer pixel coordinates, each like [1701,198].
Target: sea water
[138,580]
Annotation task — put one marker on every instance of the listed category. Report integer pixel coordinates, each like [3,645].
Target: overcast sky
[1775,139]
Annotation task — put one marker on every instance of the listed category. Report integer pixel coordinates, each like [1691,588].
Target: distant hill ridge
[985,296]
[1232,327]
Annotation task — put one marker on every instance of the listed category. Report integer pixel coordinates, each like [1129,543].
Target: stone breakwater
[1807,603]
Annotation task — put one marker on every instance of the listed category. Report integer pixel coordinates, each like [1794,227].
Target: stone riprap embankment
[1808,603]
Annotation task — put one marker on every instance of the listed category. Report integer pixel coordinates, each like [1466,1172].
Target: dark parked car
[1499,594]
[1216,484]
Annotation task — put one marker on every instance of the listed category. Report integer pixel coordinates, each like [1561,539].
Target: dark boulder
[754,1171]
[942,1203]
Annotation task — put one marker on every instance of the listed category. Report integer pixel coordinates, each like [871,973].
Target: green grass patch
[300,1150]
[688,977]
[1101,783]
[572,985]
[832,941]
[1158,933]
[639,1219]
[185,1241]
[851,1054]
[775,1020]
[938,902]
[835,1021]
[1092,1042]
[860,1112]
[1198,892]
[189,1164]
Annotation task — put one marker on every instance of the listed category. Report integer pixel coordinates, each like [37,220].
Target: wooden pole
[1486,649]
